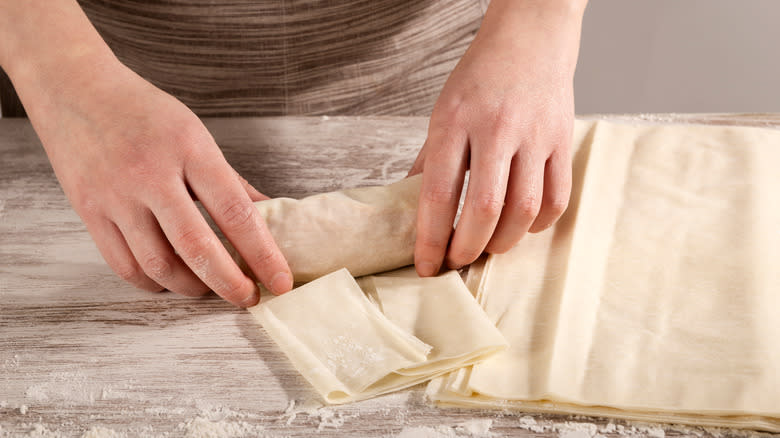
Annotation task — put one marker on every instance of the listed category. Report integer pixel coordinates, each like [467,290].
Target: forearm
[549,13]
[44,41]
[528,24]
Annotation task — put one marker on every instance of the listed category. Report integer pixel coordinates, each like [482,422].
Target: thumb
[417,167]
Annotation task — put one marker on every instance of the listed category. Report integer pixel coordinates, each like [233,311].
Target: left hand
[506,113]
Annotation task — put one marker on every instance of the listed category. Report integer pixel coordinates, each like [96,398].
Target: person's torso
[250,57]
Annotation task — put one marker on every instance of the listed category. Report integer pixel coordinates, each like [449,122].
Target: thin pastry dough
[349,349]
[341,356]
[655,297]
[366,230]
[439,311]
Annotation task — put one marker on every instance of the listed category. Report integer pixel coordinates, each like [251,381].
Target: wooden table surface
[82,353]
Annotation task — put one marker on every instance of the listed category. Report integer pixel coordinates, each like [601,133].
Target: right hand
[131,158]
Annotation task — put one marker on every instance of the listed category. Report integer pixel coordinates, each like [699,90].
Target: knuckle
[263,257]
[86,204]
[558,205]
[230,289]
[139,163]
[487,205]
[237,214]
[188,132]
[157,267]
[441,194]
[192,243]
[129,272]
[450,109]
[506,119]
[561,137]
[528,206]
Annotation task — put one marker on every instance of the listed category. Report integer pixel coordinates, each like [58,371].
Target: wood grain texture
[80,350]
[294,57]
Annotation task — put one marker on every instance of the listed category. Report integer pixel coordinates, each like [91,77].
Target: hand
[127,156]
[506,113]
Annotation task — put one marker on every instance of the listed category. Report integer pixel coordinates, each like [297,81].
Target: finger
[114,249]
[250,190]
[156,257]
[523,196]
[442,181]
[197,245]
[557,189]
[417,167]
[228,204]
[482,206]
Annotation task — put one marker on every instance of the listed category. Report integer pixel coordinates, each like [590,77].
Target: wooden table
[81,351]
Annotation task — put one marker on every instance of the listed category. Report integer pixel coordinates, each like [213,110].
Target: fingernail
[427,269]
[280,283]
[252,299]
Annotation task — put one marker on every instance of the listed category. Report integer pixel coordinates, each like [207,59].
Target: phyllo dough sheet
[350,347]
[338,340]
[366,230]
[439,311]
[655,296]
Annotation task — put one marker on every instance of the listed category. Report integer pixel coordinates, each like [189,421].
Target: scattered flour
[315,410]
[308,407]
[608,428]
[36,430]
[575,434]
[159,411]
[39,430]
[572,429]
[577,429]
[473,428]
[528,423]
[65,387]
[216,412]
[583,429]
[203,428]
[11,364]
[123,391]
[329,419]
[221,422]
[427,432]
[651,431]
[718,432]
[102,432]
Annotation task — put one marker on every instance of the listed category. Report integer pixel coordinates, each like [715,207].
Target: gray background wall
[679,56]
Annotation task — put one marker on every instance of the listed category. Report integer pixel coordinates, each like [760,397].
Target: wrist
[51,53]
[544,29]
[42,40]
[546,10]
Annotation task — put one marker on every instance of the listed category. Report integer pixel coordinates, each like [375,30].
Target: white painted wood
[80,350]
